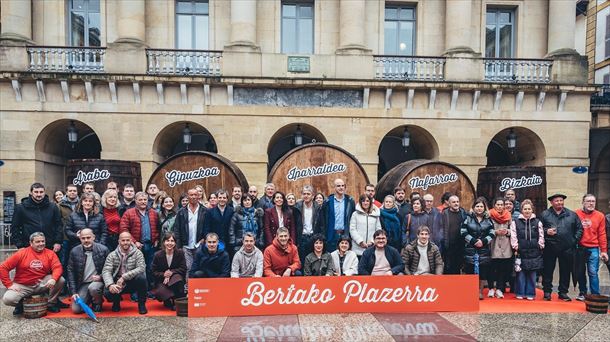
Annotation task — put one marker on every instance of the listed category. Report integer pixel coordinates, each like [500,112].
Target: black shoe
[547,296]
[18,309]
[142,308]
[54,308]
[565,297]
[116,306]
[97,307]
[62,305]
[134,297]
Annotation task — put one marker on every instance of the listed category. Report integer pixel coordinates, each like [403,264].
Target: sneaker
[565,297]
[519,297]
[530,298]
[580,297]
[18,309]
[491,293]
[97,307]
[499,294]
[54,308]
[142,308]
[547,296]
[116,306]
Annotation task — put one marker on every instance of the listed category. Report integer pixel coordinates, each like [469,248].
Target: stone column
[562,26]
[458,19]
[351,27]
[16,19]
[127,54]
[243,25]
[131,25]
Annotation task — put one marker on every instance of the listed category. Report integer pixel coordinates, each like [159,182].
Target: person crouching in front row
[169,270]
[281,258]
[381,258]
[125,272]
[344,259]
[248,260]
[319,262]
[422,256]
[211,260]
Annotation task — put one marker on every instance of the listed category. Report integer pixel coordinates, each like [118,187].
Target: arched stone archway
[283,140]
[169,141]
[529,150]
[391,152]
[53,150]
[599,178]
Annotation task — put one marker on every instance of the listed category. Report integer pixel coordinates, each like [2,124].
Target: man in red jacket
[37,270]
[594,241]
[281,258]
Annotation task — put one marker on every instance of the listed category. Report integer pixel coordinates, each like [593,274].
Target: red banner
[307,295]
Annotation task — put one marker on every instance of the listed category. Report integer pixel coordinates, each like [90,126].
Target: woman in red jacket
[278,216]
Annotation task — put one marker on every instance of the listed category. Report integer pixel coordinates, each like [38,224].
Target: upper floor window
[499,33]
[297,27]
[85,29]
[192,19]
[399,31]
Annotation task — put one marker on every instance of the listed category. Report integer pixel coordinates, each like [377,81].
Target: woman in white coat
[345,260]
[363,224]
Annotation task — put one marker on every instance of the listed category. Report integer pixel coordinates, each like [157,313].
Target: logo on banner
[523,182]
[428,181]
[93,176]
[328,168]
[175,177]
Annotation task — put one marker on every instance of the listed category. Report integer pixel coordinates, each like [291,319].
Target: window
[499,33]
[297,27]
[399,31]
[85,29]
[192,19]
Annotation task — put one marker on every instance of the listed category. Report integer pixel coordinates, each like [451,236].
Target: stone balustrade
[511,70]
[409,68]
[66,59]
[184,62]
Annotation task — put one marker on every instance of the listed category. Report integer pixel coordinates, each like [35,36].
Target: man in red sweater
[594,241]
[37,270]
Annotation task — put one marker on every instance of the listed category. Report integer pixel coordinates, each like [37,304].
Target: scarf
[248,221]
[392,223]
[503,218]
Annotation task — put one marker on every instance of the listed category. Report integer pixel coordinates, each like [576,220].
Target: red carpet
[510,304]
[128,309]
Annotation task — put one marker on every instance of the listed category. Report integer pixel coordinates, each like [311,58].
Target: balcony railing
[602,98]
[518,70]
[409,68]
[66,59]
[184,62]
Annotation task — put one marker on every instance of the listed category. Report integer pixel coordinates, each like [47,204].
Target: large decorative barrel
[318,164]
[35,306]
[427,177]
[188,169]
[102,171]
[527,181]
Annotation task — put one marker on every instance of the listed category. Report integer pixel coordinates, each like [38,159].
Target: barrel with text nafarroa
[308,295]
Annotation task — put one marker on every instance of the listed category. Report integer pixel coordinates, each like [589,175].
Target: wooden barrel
[596,303]
[527,181]
[318,165]
[182,307]
[427,177]
[102,171]
[35,306]
[185,170]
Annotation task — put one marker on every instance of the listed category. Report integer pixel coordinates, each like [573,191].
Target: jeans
[526,284]
[331,244]
[149,252]
[305,247]
[592,269]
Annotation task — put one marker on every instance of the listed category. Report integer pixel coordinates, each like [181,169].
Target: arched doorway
[53,150]
[170,141]
[422,145]
[599,177]
[528,150]
[284,140]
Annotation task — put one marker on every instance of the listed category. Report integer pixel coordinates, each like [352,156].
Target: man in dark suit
[189,227]
[218,219]
[306,229]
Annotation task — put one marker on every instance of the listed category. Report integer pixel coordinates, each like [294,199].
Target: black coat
[218,223]
[206,265]
[569,229]
[527,237]
[367,261]
[473,230]
[76,264]
[236,229]
[315,218]
[30,217]
[77,221]
[159,265]
[181,226]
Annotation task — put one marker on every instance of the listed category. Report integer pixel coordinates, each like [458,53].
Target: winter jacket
[326,222]
[30,217]
[362,226]
[473,230]
[123,207]
[392,224]
[77,261]
[134,265]
[218,223]
[527,235]
[412,221]
[181,226]
[131,222]
[452,237]
[410,256]
[500,245]
[272,223]
[236,229]
[435,223]
[247,265]
[206,265]
[367,261]
[65,209]
[315,217]
[159,265]
[350,263]
[78,221]
[569,229]
[322,266]
[276,259]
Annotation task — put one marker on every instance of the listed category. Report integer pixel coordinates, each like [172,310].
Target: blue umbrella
[476,263]
[86,309]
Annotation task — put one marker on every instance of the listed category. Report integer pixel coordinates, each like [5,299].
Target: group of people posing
[146,245]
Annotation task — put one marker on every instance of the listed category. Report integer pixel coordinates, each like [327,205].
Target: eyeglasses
[340,186]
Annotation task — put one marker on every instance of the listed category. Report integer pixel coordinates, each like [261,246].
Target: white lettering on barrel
[427,181]
[328,168]
[523,182]
[93,176]
[175,177]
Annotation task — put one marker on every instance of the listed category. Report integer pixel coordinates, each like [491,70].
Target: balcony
[508,70]
[601,100]
[409,68]
[184,62]
[66,59]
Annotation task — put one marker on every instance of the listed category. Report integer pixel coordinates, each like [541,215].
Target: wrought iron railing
[184,62]
[66,59]
[511,70]
[409,68]
[601,98]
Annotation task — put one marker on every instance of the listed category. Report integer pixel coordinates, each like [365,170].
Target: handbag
[517,263]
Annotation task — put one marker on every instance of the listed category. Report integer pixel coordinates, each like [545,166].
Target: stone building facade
[459,74]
